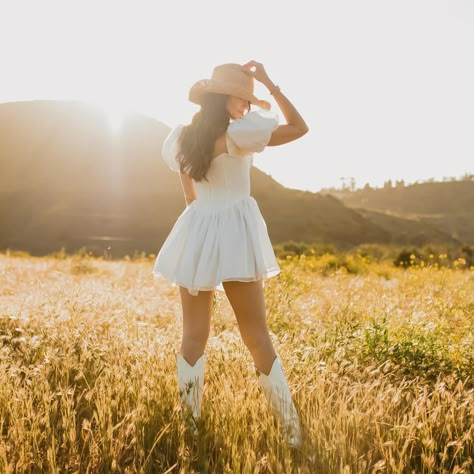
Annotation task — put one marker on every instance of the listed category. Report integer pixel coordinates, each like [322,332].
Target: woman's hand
[295,126]
[259,73]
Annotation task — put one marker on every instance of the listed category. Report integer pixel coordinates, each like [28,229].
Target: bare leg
[248,302]
[197,312]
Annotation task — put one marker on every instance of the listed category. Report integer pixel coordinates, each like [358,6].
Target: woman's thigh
[248,302]
[197,313]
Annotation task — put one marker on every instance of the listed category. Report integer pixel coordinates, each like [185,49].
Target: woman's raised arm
[296,127]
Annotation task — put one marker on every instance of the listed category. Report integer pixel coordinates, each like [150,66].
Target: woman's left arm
[188,188]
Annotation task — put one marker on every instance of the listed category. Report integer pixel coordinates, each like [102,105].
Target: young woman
[220,241]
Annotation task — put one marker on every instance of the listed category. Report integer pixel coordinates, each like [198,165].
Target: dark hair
[196,141]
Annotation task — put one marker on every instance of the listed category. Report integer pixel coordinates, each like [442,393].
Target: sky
[386,87]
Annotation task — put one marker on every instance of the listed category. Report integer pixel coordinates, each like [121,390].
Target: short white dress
[221,235]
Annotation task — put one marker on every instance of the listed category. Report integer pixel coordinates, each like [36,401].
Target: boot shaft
[191,382]
[276,390]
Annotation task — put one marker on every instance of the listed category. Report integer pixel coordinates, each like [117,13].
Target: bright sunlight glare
[115,112]
[379,104]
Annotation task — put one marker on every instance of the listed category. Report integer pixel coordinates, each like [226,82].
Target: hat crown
[230,79]
[233,74]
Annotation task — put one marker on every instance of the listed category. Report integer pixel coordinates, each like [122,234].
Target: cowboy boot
[191,385]
[277,392]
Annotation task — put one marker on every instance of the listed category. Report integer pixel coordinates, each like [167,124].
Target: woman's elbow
[303,130]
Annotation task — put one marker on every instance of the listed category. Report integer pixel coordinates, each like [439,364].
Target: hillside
[67,180]
[446,206]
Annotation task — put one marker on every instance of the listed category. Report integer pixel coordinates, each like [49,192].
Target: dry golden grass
[380,363]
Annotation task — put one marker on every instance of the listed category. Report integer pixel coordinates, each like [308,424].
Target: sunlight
[115,118]
[115,112]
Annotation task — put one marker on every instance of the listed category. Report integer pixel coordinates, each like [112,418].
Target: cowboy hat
[230,79]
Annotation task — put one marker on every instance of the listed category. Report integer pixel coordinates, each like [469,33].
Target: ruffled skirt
[208,245]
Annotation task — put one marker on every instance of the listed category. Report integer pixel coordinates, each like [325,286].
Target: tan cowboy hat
[228,79]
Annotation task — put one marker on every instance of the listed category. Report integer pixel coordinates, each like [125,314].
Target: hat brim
[209,85]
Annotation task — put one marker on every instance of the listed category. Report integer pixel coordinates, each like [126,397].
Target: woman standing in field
[220,241]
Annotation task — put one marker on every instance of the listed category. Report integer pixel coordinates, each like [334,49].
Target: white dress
[221,235]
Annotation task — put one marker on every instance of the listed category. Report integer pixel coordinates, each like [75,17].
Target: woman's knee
[197,314]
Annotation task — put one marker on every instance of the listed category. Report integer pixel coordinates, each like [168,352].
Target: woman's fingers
[255,69]
[264,104]
[251,64]
[248,70]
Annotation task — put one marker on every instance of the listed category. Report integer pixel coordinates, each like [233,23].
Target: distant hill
[446,206]
[67,180]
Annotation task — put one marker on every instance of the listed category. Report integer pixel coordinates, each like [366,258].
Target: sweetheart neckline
[229,154]
[221,154]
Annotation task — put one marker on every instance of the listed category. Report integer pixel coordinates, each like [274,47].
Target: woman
[220,241]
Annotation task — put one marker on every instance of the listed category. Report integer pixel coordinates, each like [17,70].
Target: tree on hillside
[352,184]
[344,185]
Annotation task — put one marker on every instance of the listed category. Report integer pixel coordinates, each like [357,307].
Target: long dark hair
[196,141]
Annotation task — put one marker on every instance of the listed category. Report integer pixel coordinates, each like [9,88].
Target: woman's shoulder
[259,119]
[174,133]
[252,132]
[170,147]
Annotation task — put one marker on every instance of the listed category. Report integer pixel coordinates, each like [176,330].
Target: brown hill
[67,180]
[447,206]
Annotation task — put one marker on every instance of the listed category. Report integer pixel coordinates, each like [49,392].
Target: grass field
[379,360]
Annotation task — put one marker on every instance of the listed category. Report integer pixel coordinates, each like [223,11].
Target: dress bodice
[228,181]
[228,178]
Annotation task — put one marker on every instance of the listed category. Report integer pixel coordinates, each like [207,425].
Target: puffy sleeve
[252,132]
[169,150]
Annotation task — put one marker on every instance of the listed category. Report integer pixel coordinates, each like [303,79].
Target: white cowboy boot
[191,383]
[277,392]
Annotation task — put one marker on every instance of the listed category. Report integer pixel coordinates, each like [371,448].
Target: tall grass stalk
[379,362]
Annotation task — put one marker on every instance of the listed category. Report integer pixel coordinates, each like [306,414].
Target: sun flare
[115,113]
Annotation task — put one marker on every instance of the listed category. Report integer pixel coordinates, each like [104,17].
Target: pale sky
[386,87]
